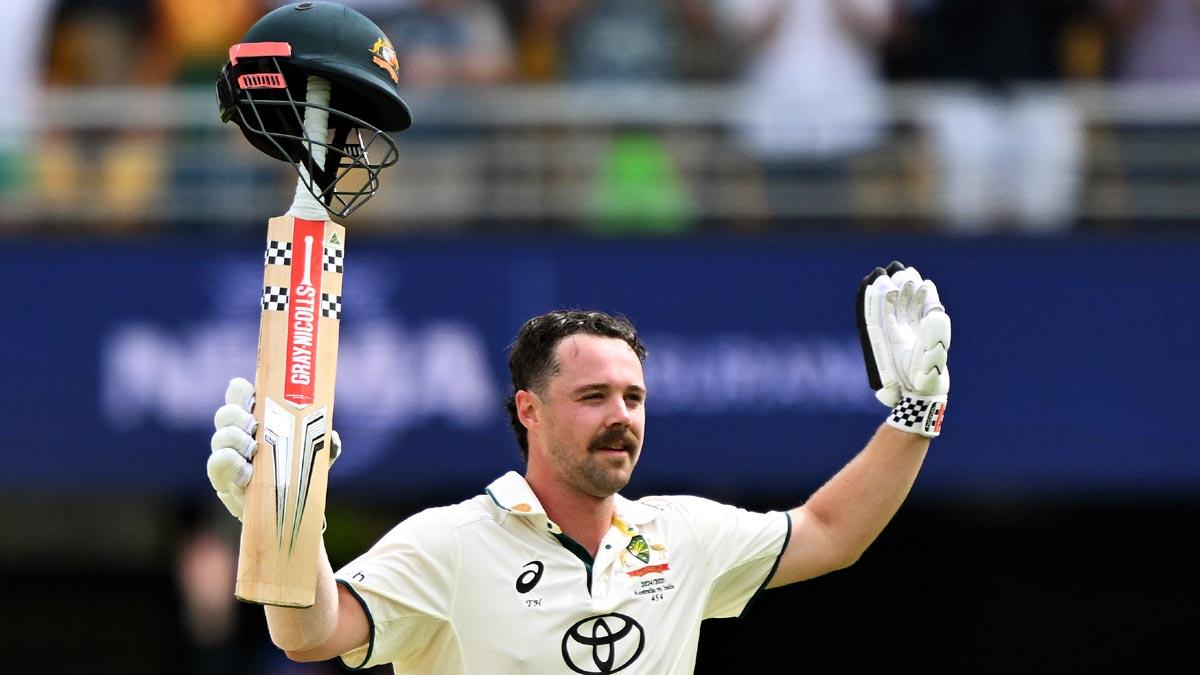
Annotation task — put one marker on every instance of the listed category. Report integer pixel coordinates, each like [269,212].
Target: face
[589,424]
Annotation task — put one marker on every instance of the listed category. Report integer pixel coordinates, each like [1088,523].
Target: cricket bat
[294,385]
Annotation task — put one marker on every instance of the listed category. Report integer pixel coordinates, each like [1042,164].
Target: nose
[619,413]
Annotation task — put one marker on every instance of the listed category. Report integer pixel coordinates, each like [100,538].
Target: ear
[528,408]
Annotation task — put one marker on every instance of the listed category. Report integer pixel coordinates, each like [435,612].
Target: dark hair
[531,358]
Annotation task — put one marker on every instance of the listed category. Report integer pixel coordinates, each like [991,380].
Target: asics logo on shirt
[530,577]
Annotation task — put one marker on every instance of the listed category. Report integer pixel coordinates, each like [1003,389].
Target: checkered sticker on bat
[278,253]
[334,259]
[275,298]
[331,306]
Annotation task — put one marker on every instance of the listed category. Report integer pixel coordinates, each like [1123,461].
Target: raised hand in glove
[233,446]
[905,335]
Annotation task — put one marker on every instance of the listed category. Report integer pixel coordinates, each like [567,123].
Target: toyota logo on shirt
[603,644]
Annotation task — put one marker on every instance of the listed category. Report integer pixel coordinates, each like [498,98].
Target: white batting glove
[905,335]
[233,446]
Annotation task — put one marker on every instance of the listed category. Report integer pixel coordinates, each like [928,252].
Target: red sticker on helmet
[251,50]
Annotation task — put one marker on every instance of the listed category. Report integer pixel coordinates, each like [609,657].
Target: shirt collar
[512,493]
[635,513]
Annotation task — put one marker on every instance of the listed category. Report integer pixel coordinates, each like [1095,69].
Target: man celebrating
[555,571]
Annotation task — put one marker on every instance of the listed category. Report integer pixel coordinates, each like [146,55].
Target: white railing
[118,158]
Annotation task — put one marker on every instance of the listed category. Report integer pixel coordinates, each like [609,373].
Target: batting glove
[233,446]
[905,334]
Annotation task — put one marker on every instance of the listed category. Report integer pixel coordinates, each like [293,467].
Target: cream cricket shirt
[491,586]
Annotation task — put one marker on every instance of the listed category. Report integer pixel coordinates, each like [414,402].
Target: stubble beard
[599,475]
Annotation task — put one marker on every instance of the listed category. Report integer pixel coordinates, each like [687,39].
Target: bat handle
[316,126]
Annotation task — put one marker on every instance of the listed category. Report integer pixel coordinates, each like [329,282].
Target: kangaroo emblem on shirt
[643,551]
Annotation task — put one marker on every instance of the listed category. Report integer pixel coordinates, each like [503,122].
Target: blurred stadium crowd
[658,116]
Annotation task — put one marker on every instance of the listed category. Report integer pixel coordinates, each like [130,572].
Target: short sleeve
[405,583]
[742,548]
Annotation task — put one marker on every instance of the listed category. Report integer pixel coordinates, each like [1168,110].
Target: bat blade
[294,384]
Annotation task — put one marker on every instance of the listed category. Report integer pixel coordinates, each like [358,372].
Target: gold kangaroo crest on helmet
[384,56]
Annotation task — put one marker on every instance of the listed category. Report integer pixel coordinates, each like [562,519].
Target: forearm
[859,501]
[299,629]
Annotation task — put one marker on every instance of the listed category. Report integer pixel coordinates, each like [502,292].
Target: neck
[581,516]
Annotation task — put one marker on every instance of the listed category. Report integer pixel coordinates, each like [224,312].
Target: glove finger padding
[240,392]
[335,447]
[229,473]
[895,342]
[233,415]
[235,439]
[907,280]
[929,299]
[928,371]
[233,446]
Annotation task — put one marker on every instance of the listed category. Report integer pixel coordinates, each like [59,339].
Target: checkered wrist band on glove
[919,415]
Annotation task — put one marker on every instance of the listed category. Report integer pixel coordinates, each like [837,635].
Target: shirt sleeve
[742,548]
[405,584]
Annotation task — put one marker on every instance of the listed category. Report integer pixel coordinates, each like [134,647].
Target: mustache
[615,437]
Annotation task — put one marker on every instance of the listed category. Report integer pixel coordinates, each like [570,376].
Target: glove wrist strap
[919,414]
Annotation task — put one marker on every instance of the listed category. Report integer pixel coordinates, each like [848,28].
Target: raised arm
[840,520]
[336,623]
[905,334]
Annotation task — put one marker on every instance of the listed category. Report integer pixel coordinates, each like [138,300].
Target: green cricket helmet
[263,88]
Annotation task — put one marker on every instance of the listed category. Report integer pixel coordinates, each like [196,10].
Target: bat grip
[316,128]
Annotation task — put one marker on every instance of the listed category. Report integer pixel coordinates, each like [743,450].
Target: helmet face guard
[268,104]
[264,90]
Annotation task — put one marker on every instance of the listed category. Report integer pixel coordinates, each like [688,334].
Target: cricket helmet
[263,88]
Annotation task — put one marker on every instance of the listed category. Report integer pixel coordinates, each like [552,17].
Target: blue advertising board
[1072,363]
